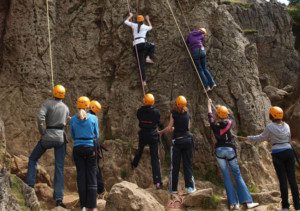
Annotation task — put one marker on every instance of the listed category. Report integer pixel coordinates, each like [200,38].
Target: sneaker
[173,192]
[234,207]
[84,209]
[191,190]
[59,203]
[148,60]
[252,205]
[158,186]
[208,89]
[213,86]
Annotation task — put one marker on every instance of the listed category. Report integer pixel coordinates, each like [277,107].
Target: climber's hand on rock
[130,14]
[147,17]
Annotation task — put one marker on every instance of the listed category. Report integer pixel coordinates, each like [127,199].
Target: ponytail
[82,114]
[139,26]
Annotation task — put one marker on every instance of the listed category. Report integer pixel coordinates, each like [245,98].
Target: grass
[250,31]
[211,202]
[16,187]
[238,3]
[252,188]
[124,173]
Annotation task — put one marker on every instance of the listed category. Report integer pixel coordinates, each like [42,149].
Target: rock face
[128,196]
[92,56]
[197,199]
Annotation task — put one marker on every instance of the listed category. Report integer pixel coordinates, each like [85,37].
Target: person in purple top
[195,41]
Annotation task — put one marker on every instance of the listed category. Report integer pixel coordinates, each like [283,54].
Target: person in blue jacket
[84,130]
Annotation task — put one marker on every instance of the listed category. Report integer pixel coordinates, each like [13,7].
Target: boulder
[43,191]
[266,197]
[198,198]
[129,197]
[275,95]
[20,166]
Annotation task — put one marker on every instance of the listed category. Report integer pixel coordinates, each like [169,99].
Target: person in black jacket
[182,147]
[225,152]
[95,108]
[149,119]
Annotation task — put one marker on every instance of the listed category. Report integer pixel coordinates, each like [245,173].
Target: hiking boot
[59,203]
[252,205]
[148,60]
[191,190]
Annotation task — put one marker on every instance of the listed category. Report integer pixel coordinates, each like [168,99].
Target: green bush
[237,2]
[250,31]
[294,11]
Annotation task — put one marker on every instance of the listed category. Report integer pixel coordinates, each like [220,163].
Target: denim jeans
[59,153]
[199,57]
[242,194]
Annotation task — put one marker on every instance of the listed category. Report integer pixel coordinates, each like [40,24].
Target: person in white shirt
[144,50]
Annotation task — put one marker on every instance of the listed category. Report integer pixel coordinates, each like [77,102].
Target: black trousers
[85,161]
[100,183]
[152,141]
[143,51]
[284,163]
[182,148]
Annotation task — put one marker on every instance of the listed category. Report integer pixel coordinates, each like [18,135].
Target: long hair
[82,114]
[181,110]
[139,26]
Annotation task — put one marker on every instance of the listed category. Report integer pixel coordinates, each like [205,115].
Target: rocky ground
[251,55]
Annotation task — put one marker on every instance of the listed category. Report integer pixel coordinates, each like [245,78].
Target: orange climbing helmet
[181,101]
[95,106]
[222,112]
[276,112]
[149,99]
[203,30]
[59,92]
[83,102]
[140,18]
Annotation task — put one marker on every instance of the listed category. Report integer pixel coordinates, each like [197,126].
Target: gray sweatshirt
[54,113]
[278,135]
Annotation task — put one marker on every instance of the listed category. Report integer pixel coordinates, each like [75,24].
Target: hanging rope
[137,55]
[50,48]
[186,23]
[187,48]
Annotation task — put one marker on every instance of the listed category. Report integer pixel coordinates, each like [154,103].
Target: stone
[197,198]
[44,192]
[266,197]
[128,196]
[275,95]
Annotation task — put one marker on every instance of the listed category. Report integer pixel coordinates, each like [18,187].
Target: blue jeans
[199,57]
[59,153]
[242,194]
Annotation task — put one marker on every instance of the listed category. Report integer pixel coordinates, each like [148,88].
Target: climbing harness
[182,12]
[49,41]
[137,56]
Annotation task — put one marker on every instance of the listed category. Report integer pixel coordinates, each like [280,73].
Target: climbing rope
[137,55]
[182,12]
[187,48]
[50,48]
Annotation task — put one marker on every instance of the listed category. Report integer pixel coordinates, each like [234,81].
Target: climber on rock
[278,134]
[52,119]
[84,131]
[182,146]
[195,41]
[142,48]
[95,108]
[225,151]
[149,119]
